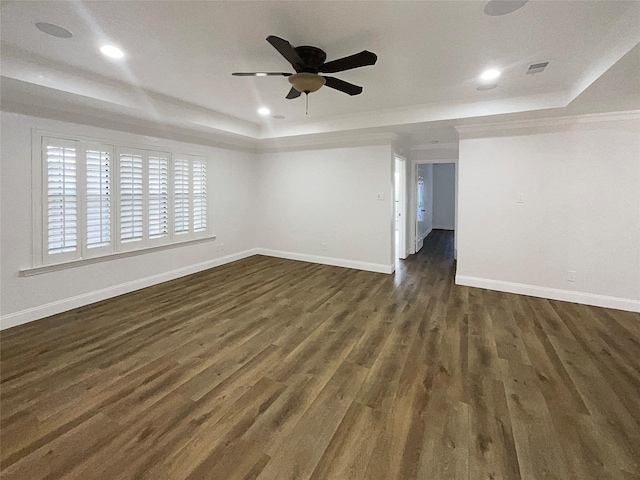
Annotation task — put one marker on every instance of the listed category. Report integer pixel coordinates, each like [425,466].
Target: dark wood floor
[275,369]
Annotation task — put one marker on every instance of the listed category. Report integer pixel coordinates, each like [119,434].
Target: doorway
[400,201]
[434,199]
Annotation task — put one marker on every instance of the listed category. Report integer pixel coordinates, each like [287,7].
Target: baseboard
[335,262]
[443,227]
[425,235]
[617,303]
[53,308]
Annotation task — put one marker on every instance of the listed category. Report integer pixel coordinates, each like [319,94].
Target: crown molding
[435,146]
[548,122]
[332,140]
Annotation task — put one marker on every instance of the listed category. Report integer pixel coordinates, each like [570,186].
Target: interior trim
[335,262]
[593,299]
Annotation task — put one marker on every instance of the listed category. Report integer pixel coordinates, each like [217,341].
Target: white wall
[579,183]
[424,227]
[444,196]
[321,205]
[232,189]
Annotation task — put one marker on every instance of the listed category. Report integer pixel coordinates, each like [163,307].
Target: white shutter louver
[181,196]
[98,199]
[199,195]
[158,197]
[131,198]
[62,199]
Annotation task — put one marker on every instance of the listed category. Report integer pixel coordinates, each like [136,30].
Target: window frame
[41,257]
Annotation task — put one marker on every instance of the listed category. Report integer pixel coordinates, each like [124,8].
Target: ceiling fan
[309,62]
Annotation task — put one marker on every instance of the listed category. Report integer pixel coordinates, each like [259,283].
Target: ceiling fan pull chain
[307,110]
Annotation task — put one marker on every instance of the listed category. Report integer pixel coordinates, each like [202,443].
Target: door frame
[413,201]
[400,165]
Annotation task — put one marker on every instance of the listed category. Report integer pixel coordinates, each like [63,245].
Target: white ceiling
[180,56]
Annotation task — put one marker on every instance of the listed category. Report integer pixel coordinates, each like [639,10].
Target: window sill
[29,272]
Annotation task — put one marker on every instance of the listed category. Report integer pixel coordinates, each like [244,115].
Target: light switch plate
[380,196]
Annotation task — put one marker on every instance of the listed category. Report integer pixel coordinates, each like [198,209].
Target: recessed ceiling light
[264,111]
[53,30]
[496,8]
[490,74]
[111,51]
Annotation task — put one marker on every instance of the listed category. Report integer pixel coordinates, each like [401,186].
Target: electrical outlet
[520,198]
[571,276]
[222,247]
[323,246]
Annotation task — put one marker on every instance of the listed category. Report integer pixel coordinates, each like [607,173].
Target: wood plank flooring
[276,369]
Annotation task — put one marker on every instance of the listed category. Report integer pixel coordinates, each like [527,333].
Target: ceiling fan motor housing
[313,58]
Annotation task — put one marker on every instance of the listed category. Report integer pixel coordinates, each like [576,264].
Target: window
[98,197]
[131,198]
[102,199]
[181,196]
[190,195]
[61,204]
[199,196]
[158,197]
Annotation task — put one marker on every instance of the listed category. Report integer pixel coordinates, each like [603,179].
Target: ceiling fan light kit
[307,82]
[309,63]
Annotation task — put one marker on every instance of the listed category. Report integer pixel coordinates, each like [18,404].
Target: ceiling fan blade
[343,86]
[287,51]
[352,61]
[261,74]
[293,93]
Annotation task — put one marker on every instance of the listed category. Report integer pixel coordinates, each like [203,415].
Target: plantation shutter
[181,183]
[131,197]
[199,196]
[61,225]
[158,197]
[99,194]
[96,199]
